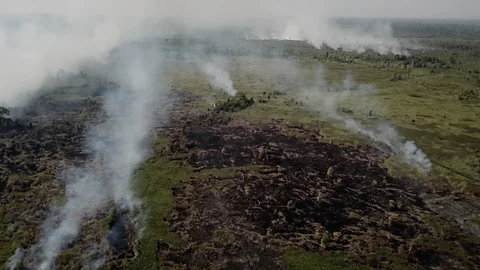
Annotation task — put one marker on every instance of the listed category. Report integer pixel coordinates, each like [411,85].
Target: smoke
[35,47]
[377,36]
[388,135]
[85,194]
[16,259]
[32,48]
[218,76]
[117,147]
[327,99]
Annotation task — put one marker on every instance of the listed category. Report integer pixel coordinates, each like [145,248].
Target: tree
[4,111]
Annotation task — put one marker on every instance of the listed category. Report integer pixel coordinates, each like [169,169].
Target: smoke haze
[37,46]
[33,48]
[117,145]
[249,8]
[15,259]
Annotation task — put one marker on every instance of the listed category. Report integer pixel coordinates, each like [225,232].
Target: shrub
[238,103]
[468,95]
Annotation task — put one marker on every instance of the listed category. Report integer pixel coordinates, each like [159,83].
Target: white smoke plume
[377,36]
[16,259]
[386,134]
[38,46]
[218,76]
[319,31]
[328,99]
[117,146]
[34,47]
[85,194]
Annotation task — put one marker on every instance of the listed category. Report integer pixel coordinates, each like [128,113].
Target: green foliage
[392,205]
[441,227]
[389,260]
[475,219]
[154,181]
[325,240]
[398,77]
[435,29]
[468,95]
[441,128]
[238,103]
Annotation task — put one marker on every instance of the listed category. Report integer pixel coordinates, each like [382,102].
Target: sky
[449,9]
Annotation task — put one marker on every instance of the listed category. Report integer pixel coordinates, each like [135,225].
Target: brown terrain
[291,189]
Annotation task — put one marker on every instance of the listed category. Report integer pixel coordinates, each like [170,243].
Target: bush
[398,77]
[325,240]
[238,103]
[468,95]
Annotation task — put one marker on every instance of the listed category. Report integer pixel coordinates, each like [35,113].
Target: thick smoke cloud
[34,47]
[37,46]
[461,9]
[117,145]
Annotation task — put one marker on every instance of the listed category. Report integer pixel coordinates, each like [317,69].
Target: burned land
[268,179]
[290,189]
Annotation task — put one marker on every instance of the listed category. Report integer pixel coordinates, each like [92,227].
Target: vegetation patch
[238,103]
[468,95]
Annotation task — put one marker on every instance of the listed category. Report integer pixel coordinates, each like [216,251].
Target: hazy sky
[252,8]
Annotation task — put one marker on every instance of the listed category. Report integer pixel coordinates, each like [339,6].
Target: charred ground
[238,188]
[291,190]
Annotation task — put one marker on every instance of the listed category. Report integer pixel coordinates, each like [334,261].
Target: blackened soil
[291,189]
